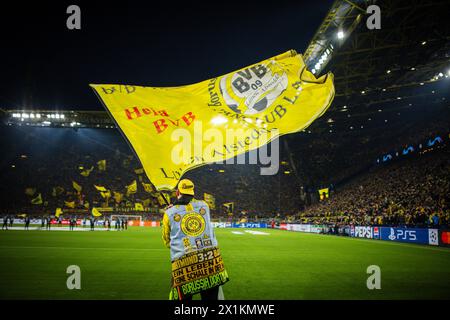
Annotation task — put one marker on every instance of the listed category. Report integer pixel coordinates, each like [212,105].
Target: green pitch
[133,264]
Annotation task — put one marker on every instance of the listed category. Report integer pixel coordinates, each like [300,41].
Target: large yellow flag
[221,117]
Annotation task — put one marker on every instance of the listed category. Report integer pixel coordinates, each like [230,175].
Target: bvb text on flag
[257,103]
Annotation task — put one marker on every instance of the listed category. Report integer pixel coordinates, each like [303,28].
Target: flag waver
[258,103]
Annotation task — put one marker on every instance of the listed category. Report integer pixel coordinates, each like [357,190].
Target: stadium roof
[386,72]
[378,73]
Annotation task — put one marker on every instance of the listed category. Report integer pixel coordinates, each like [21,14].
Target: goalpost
[128,217]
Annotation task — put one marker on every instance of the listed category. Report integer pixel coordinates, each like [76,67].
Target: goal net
[133,220]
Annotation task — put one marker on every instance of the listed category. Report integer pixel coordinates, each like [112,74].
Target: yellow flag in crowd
[118,196]
[100,188]
[147,202]
[229,206]
[323,193]
[70,204]
[161,197]
[147,187]
[37,199]
[132,188]
[106,194]
[57,191]
[101,165]
[210,200]
[138,206]
[58,212]
[76,186]
[96,213]
[254,105]
[86,172]
[30,191]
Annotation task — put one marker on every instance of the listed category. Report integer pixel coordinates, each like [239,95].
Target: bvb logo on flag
[254,89]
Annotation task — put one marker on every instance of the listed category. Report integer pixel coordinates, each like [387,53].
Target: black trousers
[207,295]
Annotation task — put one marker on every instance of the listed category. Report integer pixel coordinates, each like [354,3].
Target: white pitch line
[257,233]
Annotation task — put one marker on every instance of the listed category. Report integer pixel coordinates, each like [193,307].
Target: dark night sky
[47,66]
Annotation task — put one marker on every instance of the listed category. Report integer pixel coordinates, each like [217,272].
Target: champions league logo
[253,90]
[392,235]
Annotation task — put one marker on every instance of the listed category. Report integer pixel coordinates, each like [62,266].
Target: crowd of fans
[45,159]
[409,192]
[336,158]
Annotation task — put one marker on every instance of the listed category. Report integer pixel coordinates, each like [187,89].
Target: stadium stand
[411,191]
